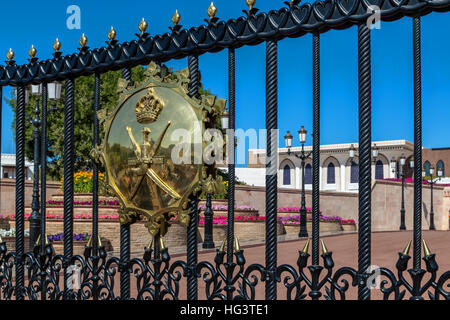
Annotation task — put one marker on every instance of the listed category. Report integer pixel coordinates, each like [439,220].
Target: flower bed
[104,203]
[76,217]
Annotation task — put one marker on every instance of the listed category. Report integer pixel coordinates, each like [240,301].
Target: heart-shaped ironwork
[347,7]
[323,9]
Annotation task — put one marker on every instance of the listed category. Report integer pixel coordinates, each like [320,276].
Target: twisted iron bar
[365,166]
[316,149]
[417,225]
[231,150]
[125,236]
[96,107]
[20,192]
[271,166]
[192,254]
[69,158]
[44,146]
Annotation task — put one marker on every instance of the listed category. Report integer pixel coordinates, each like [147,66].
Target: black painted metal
[43,164]
[125,236]
[417,225]
[365,176]
[20,191]
[35,217]
[208,241]
[231,150]
[192,284]
[316,149]
[271,166]
[69,154]
[95,141]
[157,277]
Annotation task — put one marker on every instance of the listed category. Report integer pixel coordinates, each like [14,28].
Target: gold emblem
[141,148]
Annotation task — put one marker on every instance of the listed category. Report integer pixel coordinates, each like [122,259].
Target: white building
[8,167]
[337,170]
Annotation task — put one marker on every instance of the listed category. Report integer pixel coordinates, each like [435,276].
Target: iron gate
[228,277]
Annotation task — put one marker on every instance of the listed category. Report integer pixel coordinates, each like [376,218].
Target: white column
[298,173]
[392,170]
[320,178]
[343,177]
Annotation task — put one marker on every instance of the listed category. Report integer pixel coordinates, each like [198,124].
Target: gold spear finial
[89,244]
[406,251]
[143,25]
[99,241]
[150,244]
[57,45]
[10,55]
[112,34]
[32,52]
[161,244]
[324,247]
[176,18]
[222,247]
[306,247]
[1,240]
[83,41]
[250,4]
[212,11]
[38,240]
[237,247]
[426,250]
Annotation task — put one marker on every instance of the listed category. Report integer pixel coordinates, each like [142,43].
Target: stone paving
[385,248]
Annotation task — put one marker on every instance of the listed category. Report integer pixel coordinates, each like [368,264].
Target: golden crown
[149,107]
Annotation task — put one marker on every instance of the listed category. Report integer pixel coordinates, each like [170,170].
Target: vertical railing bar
[231,151]
[365,179]
[69,158]
[316,148]
[95,166]
[192,254]
[125,236]
[43,176]
[417,144]
[271,167]
[20,191]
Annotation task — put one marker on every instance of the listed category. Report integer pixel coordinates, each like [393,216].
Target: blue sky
[39,23]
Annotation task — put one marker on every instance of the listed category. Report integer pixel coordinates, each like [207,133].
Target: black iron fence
[38,274]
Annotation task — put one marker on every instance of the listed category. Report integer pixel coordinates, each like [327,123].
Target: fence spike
[10,54]
[212,11]
[324,247]
[112,34]
[143,25]
[408,246]
[426,250]
[222,247]
[306,247]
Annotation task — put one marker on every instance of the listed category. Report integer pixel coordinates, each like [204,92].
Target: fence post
[192,284]
[271,167]
[125,237]
[68,180]
[316,149]
[20,191]
[365,161]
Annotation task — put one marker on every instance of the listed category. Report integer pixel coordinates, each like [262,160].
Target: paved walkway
[385,248]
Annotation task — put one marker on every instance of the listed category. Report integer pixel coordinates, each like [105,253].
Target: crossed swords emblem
[145,159]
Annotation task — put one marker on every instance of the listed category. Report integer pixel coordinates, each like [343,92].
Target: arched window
[379,170]
[286,175]
[427,166]
[440,165]
[354,173]
[331,174]
[308,174]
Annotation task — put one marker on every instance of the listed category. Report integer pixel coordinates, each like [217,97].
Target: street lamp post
[432,181]
[402,176]
[35,218]
[302,156]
